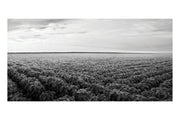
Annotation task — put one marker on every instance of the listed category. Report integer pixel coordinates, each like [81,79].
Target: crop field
[89,77]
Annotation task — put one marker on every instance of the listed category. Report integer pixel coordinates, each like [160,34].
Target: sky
[89,35]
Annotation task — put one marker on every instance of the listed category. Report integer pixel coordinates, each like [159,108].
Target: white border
[89,9]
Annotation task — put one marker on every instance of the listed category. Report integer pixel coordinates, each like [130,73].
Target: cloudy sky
[83,35]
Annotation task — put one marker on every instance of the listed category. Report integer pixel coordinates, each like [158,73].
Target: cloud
[14,24]
[90,34]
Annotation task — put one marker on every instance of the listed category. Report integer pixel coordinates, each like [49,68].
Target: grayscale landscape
[90,60]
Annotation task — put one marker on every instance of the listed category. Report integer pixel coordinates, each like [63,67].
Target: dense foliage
[86,77]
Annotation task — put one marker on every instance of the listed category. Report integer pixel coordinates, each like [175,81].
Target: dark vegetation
[89,77]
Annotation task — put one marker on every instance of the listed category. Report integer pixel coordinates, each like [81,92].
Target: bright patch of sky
[89,35]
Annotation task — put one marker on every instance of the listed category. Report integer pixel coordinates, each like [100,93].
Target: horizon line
[88,52]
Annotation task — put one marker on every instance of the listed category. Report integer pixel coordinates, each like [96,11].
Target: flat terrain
[89,77]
